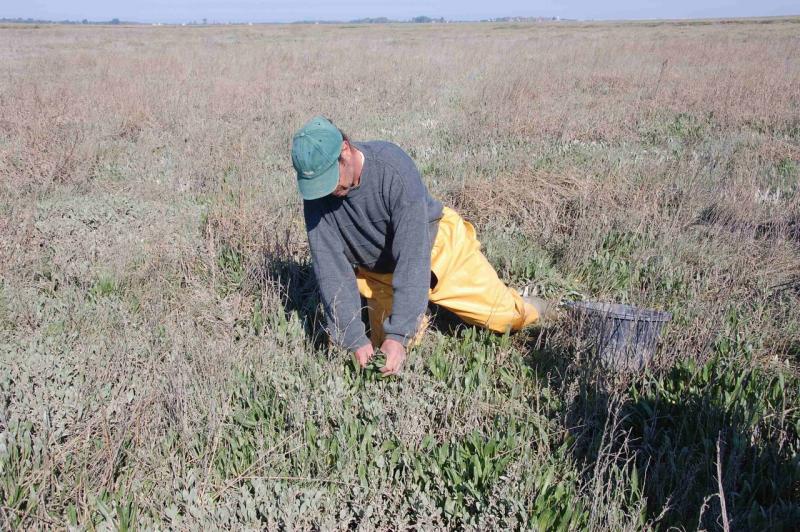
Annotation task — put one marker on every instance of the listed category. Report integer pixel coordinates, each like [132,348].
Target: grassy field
[162,362]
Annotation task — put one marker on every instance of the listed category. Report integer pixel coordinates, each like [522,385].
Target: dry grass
[153,260]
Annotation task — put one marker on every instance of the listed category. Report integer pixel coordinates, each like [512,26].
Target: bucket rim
[618,311]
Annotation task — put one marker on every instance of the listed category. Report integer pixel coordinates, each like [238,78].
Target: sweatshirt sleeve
[411,250]
[336,280]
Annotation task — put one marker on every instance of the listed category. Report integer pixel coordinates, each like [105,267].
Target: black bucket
[622,336]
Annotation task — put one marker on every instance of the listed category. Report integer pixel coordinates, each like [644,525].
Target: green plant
[679,419]
[105,286]
[231,265]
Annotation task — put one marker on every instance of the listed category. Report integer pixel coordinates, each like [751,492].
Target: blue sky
[173,11]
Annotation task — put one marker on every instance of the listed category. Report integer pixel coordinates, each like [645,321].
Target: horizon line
[366,20]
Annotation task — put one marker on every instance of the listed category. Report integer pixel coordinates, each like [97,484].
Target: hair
[344,135]
[344,138]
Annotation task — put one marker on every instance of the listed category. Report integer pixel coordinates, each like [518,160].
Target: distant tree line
[20,20]
[378,20]
[368,20]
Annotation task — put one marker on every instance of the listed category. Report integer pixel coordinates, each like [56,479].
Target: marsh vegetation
[161,356]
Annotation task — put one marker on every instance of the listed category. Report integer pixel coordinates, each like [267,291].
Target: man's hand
[363,354]
[395,356]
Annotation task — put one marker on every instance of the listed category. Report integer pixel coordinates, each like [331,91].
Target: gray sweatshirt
[386,224]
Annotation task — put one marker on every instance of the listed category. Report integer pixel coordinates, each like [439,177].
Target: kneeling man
[375,231]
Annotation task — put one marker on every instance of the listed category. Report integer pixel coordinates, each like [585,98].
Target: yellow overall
[467,285]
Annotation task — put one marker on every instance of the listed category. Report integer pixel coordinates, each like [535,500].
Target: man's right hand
[363,354]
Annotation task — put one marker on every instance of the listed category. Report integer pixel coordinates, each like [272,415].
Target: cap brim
[321,185]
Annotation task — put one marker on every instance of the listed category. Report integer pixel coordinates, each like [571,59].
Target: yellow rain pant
[466,284]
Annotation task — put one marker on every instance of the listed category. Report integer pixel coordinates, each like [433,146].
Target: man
[374,230]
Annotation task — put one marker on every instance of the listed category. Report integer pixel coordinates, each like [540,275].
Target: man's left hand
[395,356]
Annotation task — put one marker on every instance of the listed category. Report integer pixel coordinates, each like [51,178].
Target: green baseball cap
[315,154]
